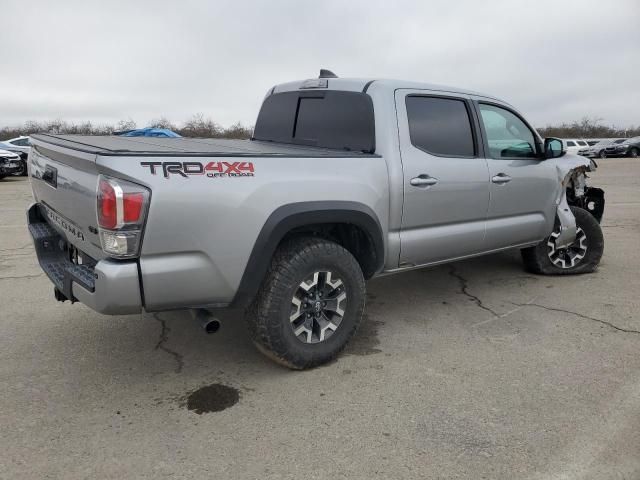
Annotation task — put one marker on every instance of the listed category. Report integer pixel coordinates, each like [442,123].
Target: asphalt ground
[472,370]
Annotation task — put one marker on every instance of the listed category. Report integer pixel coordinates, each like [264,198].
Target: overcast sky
[110,60]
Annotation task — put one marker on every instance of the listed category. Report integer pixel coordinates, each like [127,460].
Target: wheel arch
[325,219]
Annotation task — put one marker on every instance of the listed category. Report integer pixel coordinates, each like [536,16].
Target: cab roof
[363,84]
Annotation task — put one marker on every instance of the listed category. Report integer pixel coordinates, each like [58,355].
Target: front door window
[507,135]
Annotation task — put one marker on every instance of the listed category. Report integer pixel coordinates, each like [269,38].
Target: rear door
[446,191]
[523,187]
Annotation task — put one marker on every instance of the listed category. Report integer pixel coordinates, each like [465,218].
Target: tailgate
[64,182]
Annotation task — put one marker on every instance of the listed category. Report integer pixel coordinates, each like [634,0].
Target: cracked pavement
[471,370]
[162,343]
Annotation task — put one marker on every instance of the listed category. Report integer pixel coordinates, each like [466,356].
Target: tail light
[122,209]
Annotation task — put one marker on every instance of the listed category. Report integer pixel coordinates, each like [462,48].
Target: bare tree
[198,126]
[122,125]
[237,130]
[587,128]
[162,122]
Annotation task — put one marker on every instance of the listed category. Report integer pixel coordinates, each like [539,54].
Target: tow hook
[207,321]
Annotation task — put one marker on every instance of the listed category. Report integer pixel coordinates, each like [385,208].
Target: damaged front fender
[572,174]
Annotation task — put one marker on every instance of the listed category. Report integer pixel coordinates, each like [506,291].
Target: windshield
[620,140]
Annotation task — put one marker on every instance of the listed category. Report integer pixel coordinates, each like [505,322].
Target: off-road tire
[268,316]
[536,259]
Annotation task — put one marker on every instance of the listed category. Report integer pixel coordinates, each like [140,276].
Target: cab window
[440,126]
[328,119]
[507,135]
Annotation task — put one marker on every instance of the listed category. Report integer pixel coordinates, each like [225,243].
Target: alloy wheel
[570,256]
[317,307]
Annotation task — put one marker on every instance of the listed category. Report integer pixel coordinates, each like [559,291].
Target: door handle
[501,178]
[423,180]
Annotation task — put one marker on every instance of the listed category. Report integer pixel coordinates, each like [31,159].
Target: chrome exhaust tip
[208,322]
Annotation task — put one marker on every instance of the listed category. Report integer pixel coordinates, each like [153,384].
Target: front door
[524,187]
[446,180]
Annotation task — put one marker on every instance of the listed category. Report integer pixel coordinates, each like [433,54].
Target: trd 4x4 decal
[211,169]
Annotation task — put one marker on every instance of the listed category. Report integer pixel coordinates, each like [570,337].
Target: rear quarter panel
[200,230]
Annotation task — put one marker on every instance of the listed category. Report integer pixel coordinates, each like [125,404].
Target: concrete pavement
[471,370]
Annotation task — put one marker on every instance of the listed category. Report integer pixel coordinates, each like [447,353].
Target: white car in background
[20,145]
[573,145]
[10,163]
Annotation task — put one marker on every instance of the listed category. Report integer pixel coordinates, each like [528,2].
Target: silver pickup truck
[343,180]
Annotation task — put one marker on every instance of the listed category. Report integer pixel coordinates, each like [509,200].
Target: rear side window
[440,126]
[328,119]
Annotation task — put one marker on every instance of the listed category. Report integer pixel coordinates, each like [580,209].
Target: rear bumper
[107,286]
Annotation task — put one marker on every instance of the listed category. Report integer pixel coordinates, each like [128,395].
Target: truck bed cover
[111,145]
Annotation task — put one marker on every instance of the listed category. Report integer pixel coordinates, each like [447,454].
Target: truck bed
[111,145]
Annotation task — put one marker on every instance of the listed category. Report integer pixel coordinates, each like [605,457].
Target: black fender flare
[295,215]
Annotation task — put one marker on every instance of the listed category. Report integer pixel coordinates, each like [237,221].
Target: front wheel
[582,256]
[634,153]
[603,154]
[310,303]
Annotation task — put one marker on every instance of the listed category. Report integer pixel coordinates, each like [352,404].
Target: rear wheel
[310,303]
[582,256]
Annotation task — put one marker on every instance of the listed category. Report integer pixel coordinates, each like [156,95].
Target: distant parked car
[573,145]
[627,147]
[20,145]
[148,132]
[599,148]
[9,163]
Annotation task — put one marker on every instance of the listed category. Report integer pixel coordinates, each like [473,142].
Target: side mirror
[553,148]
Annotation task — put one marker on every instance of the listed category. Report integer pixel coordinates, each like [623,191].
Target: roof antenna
[327,74]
